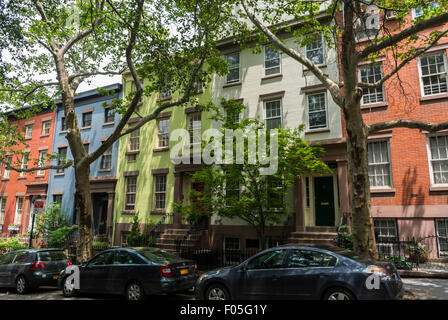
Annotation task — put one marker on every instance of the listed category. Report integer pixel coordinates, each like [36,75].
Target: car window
[51,256]
[269,260]
[103,259]
[309,258]
[22,257]
[159,256]
[7,258]
[124,257]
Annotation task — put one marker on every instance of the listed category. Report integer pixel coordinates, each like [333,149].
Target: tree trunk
[83,205]
[363,231]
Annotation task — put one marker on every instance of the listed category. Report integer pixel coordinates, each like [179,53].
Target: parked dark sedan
[134,272]
[297,272]
[28,269]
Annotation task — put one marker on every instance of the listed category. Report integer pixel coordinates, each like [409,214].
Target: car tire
[338,294]
[217,291]
[22,285]
[134,291]
[68,289]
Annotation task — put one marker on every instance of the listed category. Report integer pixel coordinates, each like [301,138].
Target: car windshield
[343,252]
[158,256]
[52,256]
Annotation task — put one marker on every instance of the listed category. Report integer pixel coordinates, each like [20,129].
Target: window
[58,199]
[62,152]
[417,12]
[131,190]
[194,128]
[232,190]
[133,85]
[232,251]
[7,258]
[273,111]
[7,172]
[24,165]
[232,116]
[371,74]
[379,164]
[164,133]
[103,259]
[317,111]
[269,260]
[309,258]
[87,119]
[106,159]
[252,244]
[87,147]
[315,50]
[160,191]
[370,24]
[439,159]
[386,236]
[433,72]
[109,115]
[134,140]
[22,257]
[271,61]
[2,209]
[123,257]
[165,93]
[63,124]
[233,61]
[123,238]
[42,162]
[28,132]
[442,236]
[46,126]
[19,210]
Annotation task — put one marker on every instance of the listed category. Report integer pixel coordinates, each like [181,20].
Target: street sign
[38,207]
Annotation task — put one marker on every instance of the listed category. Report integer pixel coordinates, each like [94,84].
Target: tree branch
[50,167]
[411,124]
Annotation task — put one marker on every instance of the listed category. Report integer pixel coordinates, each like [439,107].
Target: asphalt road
[416,288]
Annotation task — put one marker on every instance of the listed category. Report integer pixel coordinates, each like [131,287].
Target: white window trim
[239,67]
[438,239]
[16,222]
[160,192]
[414,15]
[193,130]
[422,89]
[308,111]
[382,86]
[42,172]
[43,127]
[281,111]
[6,172]
[24,164]
[390,165]
[264,63]
[324,51]
[3,215]
[428,150]
[158,140]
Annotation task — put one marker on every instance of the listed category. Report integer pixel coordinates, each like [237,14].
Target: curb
[423,274]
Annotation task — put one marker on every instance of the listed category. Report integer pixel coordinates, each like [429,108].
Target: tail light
[166,272]
[195,268]
[377,270]
[69,263]
[37,266]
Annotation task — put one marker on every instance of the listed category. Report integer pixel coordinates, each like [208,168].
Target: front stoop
[312,236]
[167,240]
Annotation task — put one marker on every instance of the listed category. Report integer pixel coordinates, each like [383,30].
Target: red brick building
[19,191]
[408,168]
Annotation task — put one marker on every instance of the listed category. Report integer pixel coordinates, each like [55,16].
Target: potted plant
[418,253]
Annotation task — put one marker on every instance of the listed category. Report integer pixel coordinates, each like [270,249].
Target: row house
[408,168]
[19,191]
[96,121]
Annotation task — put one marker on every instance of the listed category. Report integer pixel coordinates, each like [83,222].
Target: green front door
[324,201]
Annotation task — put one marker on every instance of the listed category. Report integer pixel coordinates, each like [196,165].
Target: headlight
[379,271]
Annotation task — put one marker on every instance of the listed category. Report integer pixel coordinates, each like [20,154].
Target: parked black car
[28,269]
[298,272]
[133,272]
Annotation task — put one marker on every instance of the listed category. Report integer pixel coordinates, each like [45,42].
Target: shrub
[345,238]
[400,263]
[57,238]
[138,239]
[11,244]
[100,245]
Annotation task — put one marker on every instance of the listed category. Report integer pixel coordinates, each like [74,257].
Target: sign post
[37,209]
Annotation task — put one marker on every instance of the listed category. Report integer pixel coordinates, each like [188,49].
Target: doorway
[324,201]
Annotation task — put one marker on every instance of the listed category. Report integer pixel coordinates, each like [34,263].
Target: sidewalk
[431,270]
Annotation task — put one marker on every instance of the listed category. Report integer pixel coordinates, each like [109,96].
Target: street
[416,288]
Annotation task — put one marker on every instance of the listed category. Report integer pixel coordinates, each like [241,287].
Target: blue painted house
[96,123]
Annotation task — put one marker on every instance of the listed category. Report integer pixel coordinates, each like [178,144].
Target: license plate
[184,271]
[55,277]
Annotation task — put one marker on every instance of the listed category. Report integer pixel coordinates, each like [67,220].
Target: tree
[62,44]
[239,189]
[340,21]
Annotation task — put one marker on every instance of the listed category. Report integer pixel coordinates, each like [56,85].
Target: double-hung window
[29,132]
[165,93]
[417,12]
[63,124]
[380,174]
[442,236]
[42,162]
[386,236]
[131,192]
[62,155]
[273,112]
[109,115]
[194,128]
[433,73]
[438,147]
[315,50]
[159,192]
[7,172]
[134,140]
[371,74]
[2,209]
[19,211]
[87,119]
[24,165]
[46,126]
[163,133]
[272,61]
[317,111]
[106,159]
[233,61]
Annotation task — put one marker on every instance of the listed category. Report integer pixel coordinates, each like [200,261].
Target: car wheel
[22,285]
[135,291]
[338,294]
[217,292]
[68,288]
